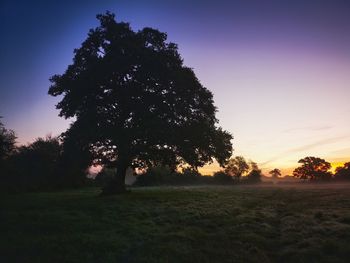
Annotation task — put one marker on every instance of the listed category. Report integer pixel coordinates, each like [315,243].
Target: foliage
[190,172]
[136,104]
[160,171]
[275,173]
[45,164]
[313,168]
[33,167]
[236,167]
[157,175]
[255,174]
[163,175]
[222,177]
[74,160]
[343,173]
[7,142]
[198,224]
[253,166]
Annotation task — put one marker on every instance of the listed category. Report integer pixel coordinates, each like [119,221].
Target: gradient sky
[279,70]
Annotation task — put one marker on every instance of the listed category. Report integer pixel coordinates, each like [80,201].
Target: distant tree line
[237,171]
[46,164]
[240,171]
[314,169]
[60,162]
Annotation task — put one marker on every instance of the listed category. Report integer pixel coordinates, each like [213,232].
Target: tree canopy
[255,175]
[136,104]
[313,168]
[343,172]
[236,167]
[275,173]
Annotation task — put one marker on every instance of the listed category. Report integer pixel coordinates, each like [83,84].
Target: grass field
[189,224]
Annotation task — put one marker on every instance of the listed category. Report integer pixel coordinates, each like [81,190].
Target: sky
[279,70]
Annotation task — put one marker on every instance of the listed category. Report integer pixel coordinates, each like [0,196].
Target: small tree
[236,167]
[253,166]
[255,174]
[136,104]
[7,142]
[275,173]
[7,147]
[313,168]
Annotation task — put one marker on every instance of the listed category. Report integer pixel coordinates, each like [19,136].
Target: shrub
[163,175]
[222,178]
[34,167]
[254,176]
[190,172]
[157,175]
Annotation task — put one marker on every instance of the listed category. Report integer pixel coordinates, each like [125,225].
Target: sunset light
[175,131]
[280,88]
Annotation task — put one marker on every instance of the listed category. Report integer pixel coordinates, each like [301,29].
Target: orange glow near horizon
[285,170]
[210,169]
[335,165]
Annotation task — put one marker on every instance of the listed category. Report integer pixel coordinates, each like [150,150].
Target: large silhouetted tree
[136,104]
[313,168]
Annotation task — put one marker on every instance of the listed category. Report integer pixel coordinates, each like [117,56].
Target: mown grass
[190,224]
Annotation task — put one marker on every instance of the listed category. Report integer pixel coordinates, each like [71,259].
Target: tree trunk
[117,185]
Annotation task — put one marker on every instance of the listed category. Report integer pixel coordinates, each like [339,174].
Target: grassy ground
[193,224]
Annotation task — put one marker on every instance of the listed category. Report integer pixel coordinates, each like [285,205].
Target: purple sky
[279,70]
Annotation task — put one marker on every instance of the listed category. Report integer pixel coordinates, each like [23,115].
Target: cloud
[306,147]
[317,144]
[309,128]
[344,151]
